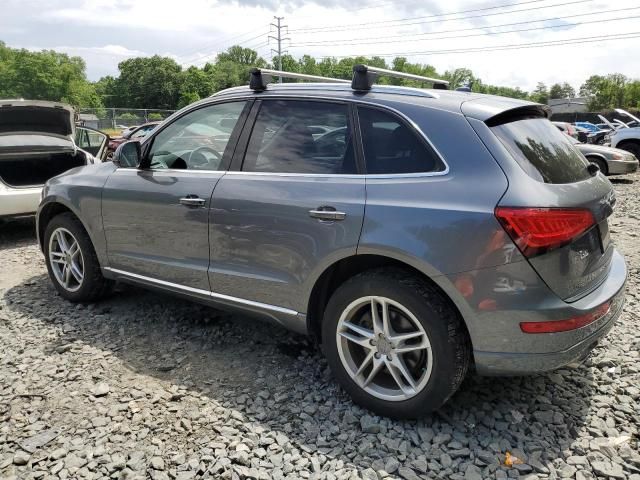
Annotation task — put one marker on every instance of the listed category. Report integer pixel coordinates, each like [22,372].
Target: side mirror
[128,155]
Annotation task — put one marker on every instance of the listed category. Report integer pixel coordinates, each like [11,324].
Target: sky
[514,43]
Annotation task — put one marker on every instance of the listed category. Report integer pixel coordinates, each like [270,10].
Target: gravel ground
[146,386]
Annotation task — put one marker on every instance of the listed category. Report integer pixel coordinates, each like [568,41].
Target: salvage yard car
[416,234]
[38,140]
[610,161]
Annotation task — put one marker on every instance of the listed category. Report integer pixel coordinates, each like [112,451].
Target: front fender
[79,192]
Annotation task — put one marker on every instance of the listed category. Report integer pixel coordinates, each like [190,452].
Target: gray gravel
[146,386]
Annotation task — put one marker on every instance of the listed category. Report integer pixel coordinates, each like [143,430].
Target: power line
[549,43]
[546,27]
[369,25]
[209,55]
[469,29]
[227,39]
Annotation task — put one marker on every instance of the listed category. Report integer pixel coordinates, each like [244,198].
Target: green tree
[45,75]
[606,92]
[149,82]
[563,90]
[540,94]
[459,77]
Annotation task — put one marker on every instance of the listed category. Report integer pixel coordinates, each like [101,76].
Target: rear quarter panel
[443,225]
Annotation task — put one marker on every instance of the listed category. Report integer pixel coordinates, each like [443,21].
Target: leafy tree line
[161,83]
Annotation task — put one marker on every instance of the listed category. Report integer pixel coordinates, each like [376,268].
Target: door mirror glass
[128,155]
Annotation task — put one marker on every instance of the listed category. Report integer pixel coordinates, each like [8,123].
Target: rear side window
[391,146]
[543,151]
[294,136]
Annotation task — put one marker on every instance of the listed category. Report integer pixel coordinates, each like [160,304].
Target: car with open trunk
[39,140]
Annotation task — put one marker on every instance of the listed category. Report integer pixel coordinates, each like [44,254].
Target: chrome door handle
[327,213]
[192,201]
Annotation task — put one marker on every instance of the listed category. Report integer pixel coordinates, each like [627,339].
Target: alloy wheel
[384,348]
[65,258]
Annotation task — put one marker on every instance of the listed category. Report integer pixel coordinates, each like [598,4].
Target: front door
[294,207]
[92,141]
[156,218]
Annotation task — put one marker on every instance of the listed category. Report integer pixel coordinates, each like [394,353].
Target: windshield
[543,151]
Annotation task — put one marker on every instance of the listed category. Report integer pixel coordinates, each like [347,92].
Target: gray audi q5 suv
[415,233]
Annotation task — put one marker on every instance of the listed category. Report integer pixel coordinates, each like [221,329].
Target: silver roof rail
[364,77]
[261,77]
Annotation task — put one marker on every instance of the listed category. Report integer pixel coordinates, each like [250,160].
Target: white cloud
[105,32]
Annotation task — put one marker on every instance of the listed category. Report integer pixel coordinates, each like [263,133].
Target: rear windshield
[543,151]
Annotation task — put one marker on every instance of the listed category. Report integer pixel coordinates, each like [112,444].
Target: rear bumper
[499,345]
[620,167]
[18,201]
[492,363]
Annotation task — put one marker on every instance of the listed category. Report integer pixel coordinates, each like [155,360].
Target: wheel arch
[341,270]
[599,157]
[51,209]
[628,140]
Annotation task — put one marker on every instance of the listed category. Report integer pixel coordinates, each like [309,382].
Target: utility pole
[279,39]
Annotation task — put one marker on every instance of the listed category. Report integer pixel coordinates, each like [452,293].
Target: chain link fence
[119,118]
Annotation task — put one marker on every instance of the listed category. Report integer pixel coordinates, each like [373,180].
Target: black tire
[94,286]
[447,334]
[602,165]
[632,147]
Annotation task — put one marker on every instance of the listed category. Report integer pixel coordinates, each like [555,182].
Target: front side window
[391,146]
[543,151]
[198,140]
[292,136]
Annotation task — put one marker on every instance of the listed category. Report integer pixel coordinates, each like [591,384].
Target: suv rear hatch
[557,205]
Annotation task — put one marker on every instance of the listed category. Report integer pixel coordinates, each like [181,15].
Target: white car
[38,141]
[622,135]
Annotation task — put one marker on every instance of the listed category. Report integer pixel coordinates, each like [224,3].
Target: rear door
[293,205]
[156,218]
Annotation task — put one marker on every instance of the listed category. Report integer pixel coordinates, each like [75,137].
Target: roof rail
[364,76]
[261,77]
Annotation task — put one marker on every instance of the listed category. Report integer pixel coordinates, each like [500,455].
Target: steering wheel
[200,151]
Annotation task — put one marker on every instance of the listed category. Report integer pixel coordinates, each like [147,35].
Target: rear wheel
[602,165]
[72,262]
[395,343]
[632,147]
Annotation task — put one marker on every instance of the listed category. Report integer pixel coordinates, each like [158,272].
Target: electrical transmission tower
[279,39]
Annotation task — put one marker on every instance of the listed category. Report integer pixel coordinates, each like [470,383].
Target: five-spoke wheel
[72,261]
[66,259]
[395,342]
[384,348]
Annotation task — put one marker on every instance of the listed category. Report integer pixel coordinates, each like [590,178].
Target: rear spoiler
[519,113]
[497,110]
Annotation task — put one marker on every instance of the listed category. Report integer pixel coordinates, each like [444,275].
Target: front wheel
[395,343]
[72,262]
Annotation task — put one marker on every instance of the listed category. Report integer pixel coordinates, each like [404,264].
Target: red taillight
[537,230]
[555,326]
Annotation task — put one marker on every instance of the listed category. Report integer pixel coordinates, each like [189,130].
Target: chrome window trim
[169,170]
[372,176]
[206,293]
